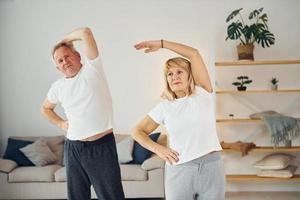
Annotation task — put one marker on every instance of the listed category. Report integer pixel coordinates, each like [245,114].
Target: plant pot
[245,52]
[241,88]
[274,87]
[288,143]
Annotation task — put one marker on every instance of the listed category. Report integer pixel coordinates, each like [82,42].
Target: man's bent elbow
[43,110]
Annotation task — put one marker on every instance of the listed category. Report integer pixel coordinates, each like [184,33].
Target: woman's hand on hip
[167,154]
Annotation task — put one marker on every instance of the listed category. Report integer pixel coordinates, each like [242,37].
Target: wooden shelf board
[246,120]
[257,178]
[256,62]
[237,120]
[256,91]
[263,149]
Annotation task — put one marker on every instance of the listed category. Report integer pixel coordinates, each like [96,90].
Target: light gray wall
[30,28]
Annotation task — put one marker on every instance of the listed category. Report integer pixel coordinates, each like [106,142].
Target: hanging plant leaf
[233,14]
[248,32]
[234,30]
[264,19]
[265,38]
[255,13]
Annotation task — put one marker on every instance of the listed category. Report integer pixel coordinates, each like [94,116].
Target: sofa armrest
[153,162]
[7,165]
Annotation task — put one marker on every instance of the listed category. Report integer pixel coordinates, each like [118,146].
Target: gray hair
[63,44]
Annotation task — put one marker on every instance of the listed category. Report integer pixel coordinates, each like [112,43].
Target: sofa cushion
[124,149]
[33,174]
[39,153]
[60,175]
[130,172]
[13,152]
[140,154]
[7,165]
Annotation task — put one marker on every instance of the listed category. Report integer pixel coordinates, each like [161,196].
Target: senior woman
[194,167]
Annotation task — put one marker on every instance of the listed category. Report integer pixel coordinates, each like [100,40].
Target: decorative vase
[245,52]
[241,88]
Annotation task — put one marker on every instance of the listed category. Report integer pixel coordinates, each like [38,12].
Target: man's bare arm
[47,109]
[85,35]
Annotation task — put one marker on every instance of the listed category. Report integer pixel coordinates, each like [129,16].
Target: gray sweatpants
[201,179]
[93,163]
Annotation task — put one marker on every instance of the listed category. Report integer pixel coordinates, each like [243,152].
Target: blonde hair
[63,44]
[185,65]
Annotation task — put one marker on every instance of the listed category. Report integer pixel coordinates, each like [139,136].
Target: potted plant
[256,31]
[241,84]
[274,83]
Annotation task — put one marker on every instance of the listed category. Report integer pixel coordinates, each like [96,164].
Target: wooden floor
[253,196]
[263,196]
[256,196]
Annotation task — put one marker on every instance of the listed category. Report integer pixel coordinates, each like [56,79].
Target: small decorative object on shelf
[257,32]
[243,147]
[231,115]
[241,84]
[274,83]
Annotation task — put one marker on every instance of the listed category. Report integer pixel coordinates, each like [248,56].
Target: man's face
[67,61]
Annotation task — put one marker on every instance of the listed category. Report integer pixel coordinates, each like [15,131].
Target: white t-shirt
[86,100]
[190,123]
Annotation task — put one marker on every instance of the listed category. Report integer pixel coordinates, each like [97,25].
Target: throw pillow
[124,149]
[12,152]
[140,154]
[7,165]
[56,145]
[39,153]
[274,161]
[283,173]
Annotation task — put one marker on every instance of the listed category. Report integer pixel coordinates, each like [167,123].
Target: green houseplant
[248,34]
[274,83]
[243,80]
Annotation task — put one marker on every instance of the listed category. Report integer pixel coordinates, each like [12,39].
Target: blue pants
[93,163]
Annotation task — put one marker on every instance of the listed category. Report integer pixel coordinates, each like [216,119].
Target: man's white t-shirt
[190,123]
[86,100]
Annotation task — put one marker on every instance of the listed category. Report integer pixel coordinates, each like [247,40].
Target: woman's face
[177,79]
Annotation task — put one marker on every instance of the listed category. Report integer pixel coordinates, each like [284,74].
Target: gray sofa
[48,182]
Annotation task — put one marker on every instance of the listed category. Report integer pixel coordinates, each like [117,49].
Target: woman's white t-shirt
[190,123]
